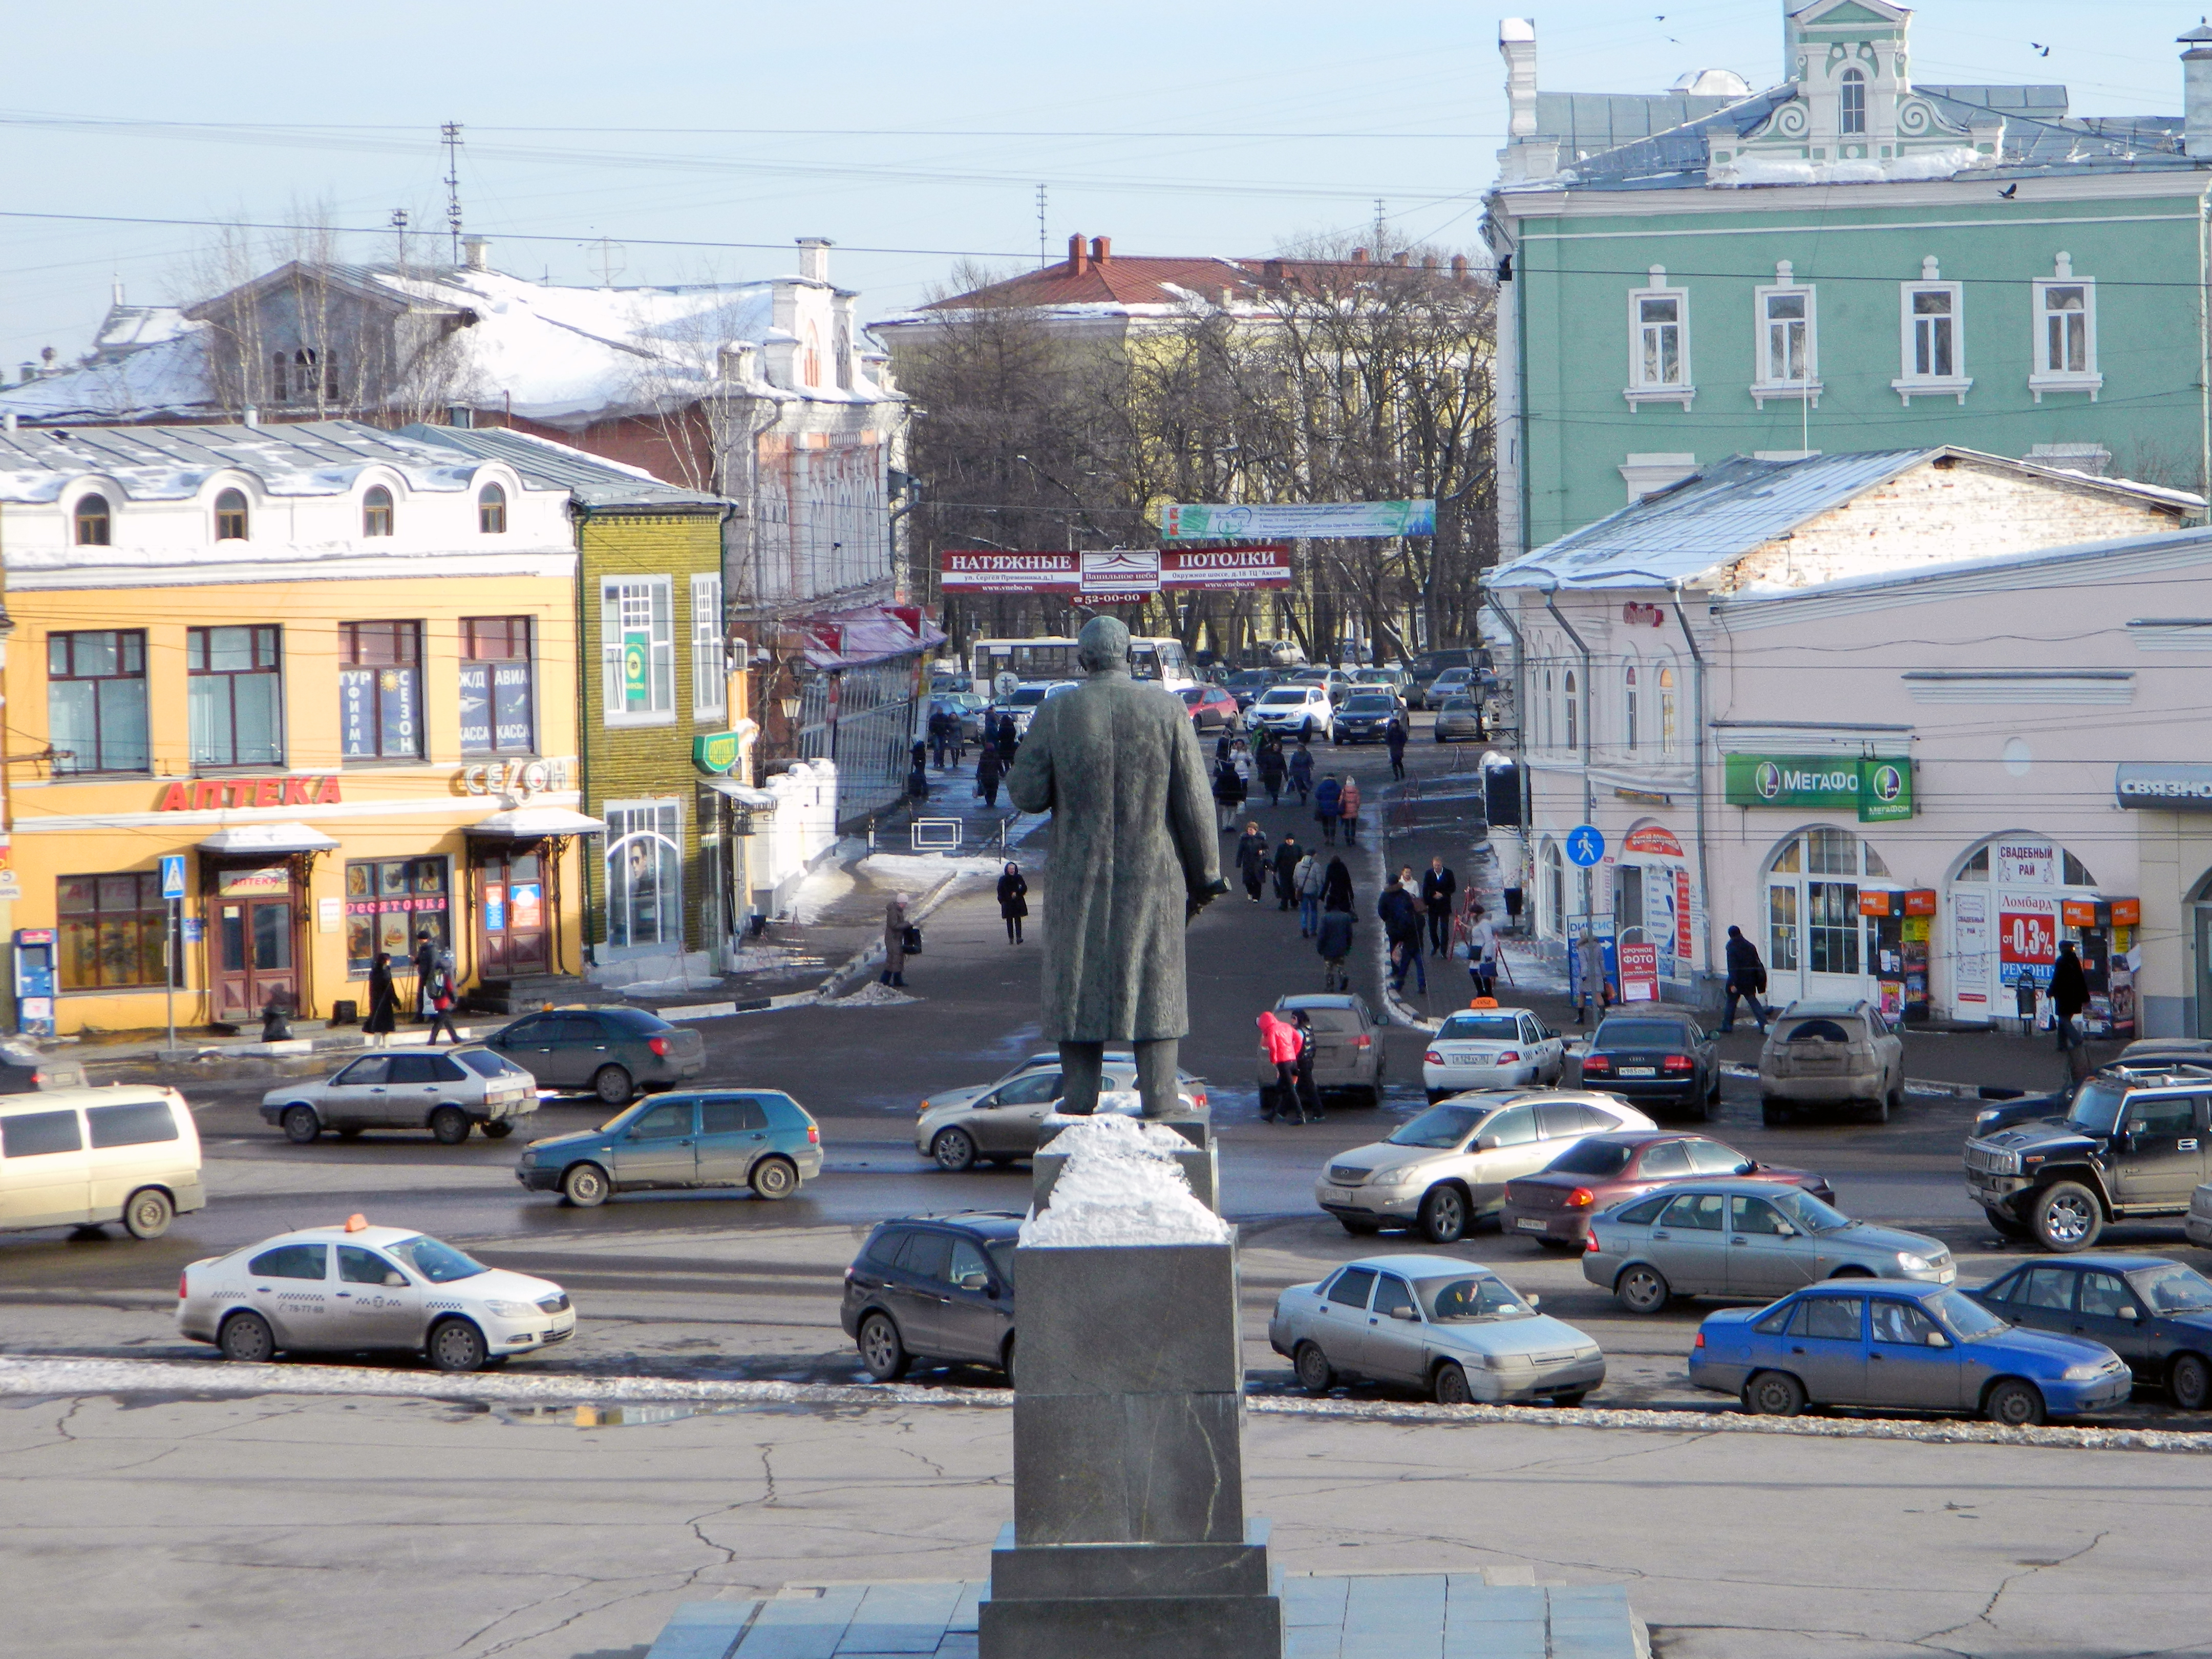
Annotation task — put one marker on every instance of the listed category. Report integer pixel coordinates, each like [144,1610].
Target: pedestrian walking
[1221,747]
[1302,770]
[439,994]
[1481,950]
[940,736]
[1239,756]
[1287,868]
[1437,886]
[1592,990]
[1281,1041]
[383,1001]
[917,778]
[1328,803]
[1399,912]
[987,774]
[1252,859]
[1272,771]
[1307,878]
[1395,735]
[1332,940]
[1746,978]
[2070,995]
[426,963]
[1336,886]
[1008,740]
[1228,792]
[897,933]
[1308,1095]
[1348,804]
[1013,901]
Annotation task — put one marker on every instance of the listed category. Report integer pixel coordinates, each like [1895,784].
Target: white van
[79,1156]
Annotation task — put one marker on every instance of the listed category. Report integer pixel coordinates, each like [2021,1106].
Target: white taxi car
[1491,1049]
[360,1289]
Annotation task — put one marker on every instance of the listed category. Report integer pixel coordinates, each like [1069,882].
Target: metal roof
[156,462]
[592,480]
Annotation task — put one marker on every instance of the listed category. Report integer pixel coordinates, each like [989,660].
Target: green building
[1849,260]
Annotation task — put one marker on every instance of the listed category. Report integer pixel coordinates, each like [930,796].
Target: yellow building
[331,667]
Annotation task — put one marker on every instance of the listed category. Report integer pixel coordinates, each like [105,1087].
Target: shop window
[230,516]
[376,512]
[709,670]
[1832,927]
[1628,732]
[388,902]
[235,695]
[96,701]
[637,650]
[111,930]
[491,510]
[92,521]
[1667,713]
[644,874]
[380,691]
[497,693]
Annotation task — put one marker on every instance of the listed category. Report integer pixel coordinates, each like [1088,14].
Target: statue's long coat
[1117,764]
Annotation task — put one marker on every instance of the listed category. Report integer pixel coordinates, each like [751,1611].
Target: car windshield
[1456,1301]
[1440,1126]
[1457,706]
[1487,1028]
[1640,1034]
[1366,704]
[485,1063]
[1249,678]
[1193,695]
[439,1263]
[1029,697]
[1807,1210]
[2096,1108]
[1968,1318]
[1282,694]
[2173,1288]
[1598,1158]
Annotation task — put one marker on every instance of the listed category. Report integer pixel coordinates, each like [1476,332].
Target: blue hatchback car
[757,1138]
[1916,1347]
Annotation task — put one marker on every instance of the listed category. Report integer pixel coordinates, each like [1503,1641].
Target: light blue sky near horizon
[702,139]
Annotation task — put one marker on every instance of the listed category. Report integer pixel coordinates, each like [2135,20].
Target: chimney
[2197,90]
[1102,250]
[814,257]
[476,253]
[1077,263]
[119,294]
[1402,258]
[252,416]
[1458,267]
[1527,153]
[1359,256]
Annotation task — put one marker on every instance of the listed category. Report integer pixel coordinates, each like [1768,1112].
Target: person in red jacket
[1283,1042]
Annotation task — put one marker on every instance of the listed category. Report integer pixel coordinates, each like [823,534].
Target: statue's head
[1103,644]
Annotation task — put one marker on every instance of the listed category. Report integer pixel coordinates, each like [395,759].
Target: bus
[1159,658]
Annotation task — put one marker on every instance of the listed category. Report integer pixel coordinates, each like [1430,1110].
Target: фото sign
[1639,972]
[1191,522]
[1876,789]
[2170,788]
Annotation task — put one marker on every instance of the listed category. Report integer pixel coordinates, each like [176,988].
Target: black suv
[2133,1143]
[934,1287]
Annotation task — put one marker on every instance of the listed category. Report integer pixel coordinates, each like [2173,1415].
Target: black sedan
[1655,1059]
[2155,1313]
[1366,715]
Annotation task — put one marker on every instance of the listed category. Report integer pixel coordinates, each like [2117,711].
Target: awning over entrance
[253,838]
[535,824]
[757,800]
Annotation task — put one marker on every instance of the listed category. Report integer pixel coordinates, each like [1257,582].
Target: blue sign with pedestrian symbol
[173,875]
[1585,845]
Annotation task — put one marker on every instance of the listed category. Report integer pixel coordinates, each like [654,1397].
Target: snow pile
[1121,1185]
[1775,170]
[922,870]
[874,994]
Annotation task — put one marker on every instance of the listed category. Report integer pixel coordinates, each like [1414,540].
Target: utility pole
[450,136]
[400,234]
[1044,246]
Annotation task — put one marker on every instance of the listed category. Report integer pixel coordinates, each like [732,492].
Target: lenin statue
[1133,858]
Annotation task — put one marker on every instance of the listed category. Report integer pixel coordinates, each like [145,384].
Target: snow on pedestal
[1120,1181]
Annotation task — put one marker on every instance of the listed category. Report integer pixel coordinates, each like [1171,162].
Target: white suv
[1301,709]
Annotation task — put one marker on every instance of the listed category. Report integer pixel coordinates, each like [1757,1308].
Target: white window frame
[1640,389]
[1909,382]
[710,683]
[654,592]
[2047,376]
[1575,713]
[656,821]
[1629,710]
[1853,75]
[1806,387]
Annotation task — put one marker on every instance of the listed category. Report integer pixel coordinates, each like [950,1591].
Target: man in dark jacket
[1327,805]
[2070,995]
[1746,978]
[1287,864]
[1394,736]
[1008,741]
[1437,886]
[1336,888]
[1333,942]
[1401,916]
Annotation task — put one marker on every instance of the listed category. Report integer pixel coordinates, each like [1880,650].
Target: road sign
[1585,845]
[1006,683]
[173,875]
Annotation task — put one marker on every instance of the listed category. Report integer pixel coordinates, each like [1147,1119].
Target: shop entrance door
[512,936]
[253,956]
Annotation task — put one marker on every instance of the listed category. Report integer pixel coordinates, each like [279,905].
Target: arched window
[491,510]
[1628,735]
[92,521]
[1854,106]
[230,516]
[1548,713]
[1666,740]
[376,512]
[1555,890]
[1574,714]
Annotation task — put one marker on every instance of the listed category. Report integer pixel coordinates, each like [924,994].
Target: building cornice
[1826,200]
[36,579]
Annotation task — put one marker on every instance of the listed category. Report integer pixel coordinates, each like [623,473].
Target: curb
[857,966]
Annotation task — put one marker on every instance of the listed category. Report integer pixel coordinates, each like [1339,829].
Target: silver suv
[1830,1054]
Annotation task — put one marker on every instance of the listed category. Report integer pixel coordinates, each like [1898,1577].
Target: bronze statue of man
[1133,858]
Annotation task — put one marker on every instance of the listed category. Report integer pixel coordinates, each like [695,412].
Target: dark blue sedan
[756,1137]
[1918,1347]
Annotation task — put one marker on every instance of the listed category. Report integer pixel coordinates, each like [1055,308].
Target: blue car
[1888,1342]
[756,1138]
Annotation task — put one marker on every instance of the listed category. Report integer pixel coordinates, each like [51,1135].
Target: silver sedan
[1452,1329]
[1457,718]
[442,1089]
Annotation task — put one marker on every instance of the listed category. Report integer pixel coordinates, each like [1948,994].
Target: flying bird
[2041,51]
[2009,192]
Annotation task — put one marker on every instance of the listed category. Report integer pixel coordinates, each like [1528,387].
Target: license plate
[1639,1071]
[1526,1225]
[1336,1194]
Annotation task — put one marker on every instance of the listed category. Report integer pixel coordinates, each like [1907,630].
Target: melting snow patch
[1121,1185]
[874,994]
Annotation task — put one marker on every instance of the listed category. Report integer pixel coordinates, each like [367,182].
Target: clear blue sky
[315,108]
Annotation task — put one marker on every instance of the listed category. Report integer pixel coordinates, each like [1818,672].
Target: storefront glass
[110,931]
[388,902]
[645,874]
[1814,933]
[2009,907]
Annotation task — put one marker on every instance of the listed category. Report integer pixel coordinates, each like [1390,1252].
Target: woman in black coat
[987,774]
[1252,861]
[1336,886]
[383,1001]
[1227,793]
[1013,901]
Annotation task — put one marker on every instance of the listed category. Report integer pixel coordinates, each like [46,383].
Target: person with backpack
[1327,802]
[1746,978]
[439,995]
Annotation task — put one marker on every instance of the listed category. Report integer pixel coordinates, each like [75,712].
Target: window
[294,376]
[668,1122]
[1555,889]
[926,1255]
[1665,1162]
[1781,929]
[2050,1288]
[2168,1114]
[1754,1215]
[731,1115]
[92,521]
[388,902]
[1667,712]
[1854,91]
[145,1123]
[497,691]
[380,691]
[1832,927]
[230,516]
[1644,1213]
[1570,1119]
[110,929]
[1659,343]
[2066,334]
[359,1267]
[1933,343]
[1573,711]
[1830,1318]
[37,1135]
[1513,1127]
[644,874]
[376,512]
[1711,1157]
[1549,732]
[1628,707]
[1903,1324]
[1788,350]
[289,1261]
[637,651]
[709,671]
[1696,1211]
[234,696]
[491,510]
[1392,1297]
[2073,872]
[1352,1287]
[96,701]
[2103,1297]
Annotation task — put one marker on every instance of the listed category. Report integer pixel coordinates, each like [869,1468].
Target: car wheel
[449,1126]
[1450,1386]
[1771,1111]
[954,1151]
[148,1213]
[774,1178]
[499,1129]
[1316,1375]
[1773,1394]
[881,1351]
[2066,1218]
[2190,1382]
[2014,1404]
[612,1085]
[1435,1095]
[457,1346]
[1444,1215]
[1570,1399]
[1308,732]
[1642,1290]
[246,1337]
[584,1186]
[302,1125]
[1006,1362]
[2005,1226]
[1359,1228]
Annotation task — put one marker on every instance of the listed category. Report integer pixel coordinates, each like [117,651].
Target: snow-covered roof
[592,480]
[165,379]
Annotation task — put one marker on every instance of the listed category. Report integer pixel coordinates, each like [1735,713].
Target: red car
[1554,1207]
[1212,708]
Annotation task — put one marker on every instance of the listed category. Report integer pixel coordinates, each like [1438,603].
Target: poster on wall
[2025,864]
[1659,920]
[1639,972]
[2028,939]
[1970,948]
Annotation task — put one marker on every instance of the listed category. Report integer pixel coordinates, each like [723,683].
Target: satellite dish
[1005,682]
